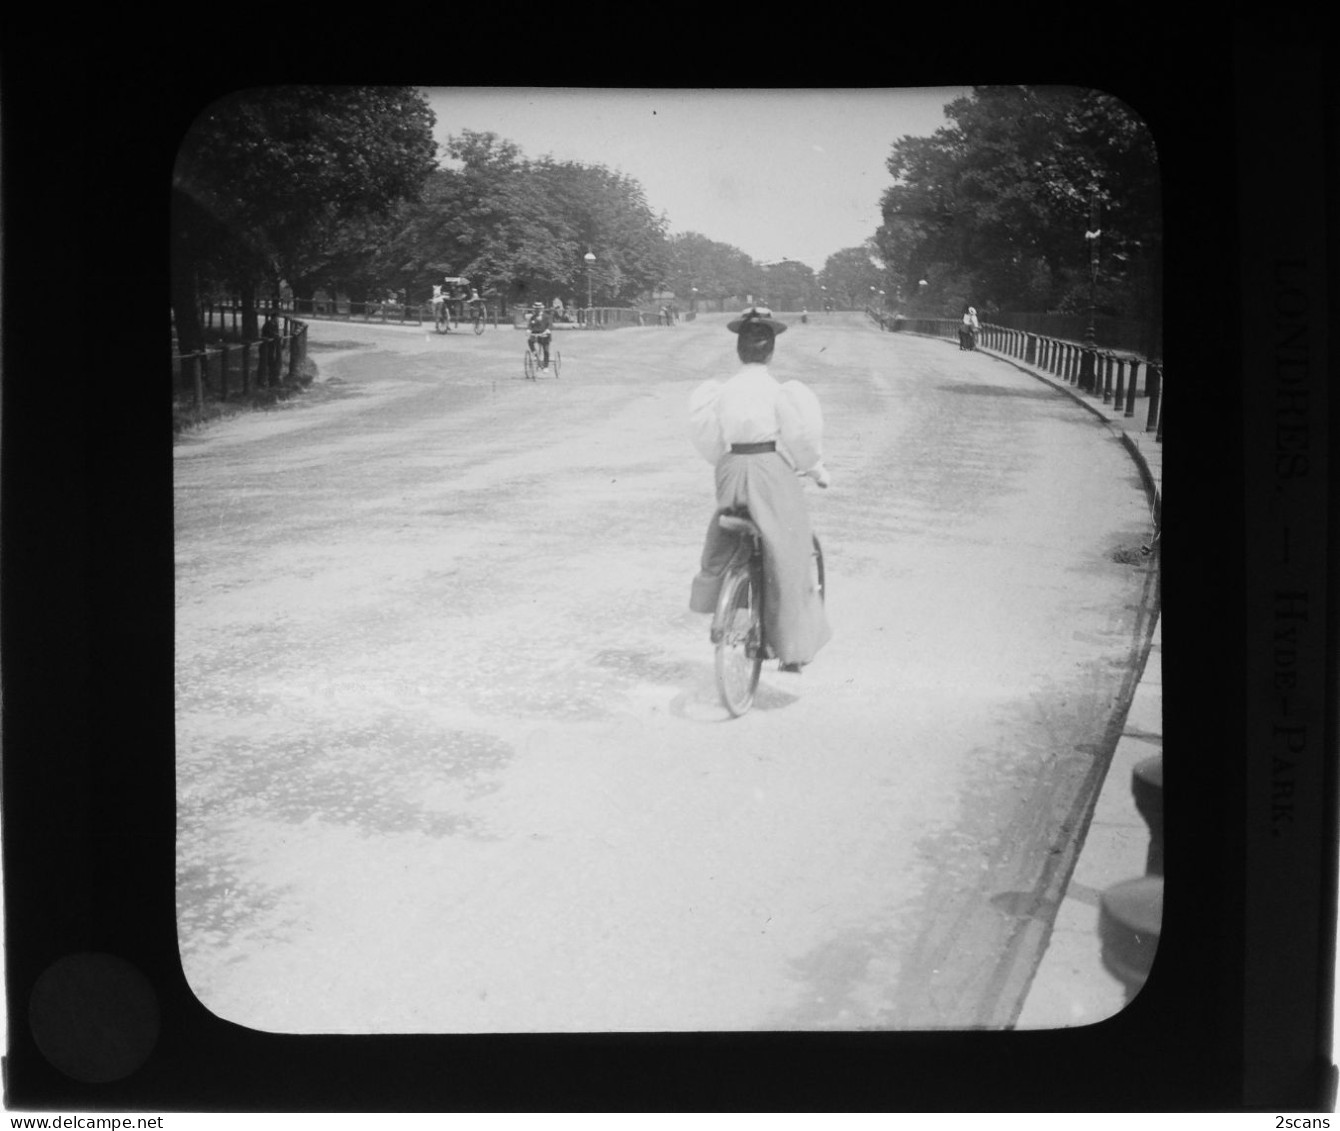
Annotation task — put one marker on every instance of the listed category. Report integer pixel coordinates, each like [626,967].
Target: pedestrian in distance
[759,434]
[967,334]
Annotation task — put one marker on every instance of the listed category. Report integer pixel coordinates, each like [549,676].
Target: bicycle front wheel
[479,322]
[530,365]
[442,324]
[738,629]
[555,362]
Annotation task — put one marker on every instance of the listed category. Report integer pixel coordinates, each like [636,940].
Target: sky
[785,174]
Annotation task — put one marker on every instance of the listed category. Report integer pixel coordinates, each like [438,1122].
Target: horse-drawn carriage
[449,299]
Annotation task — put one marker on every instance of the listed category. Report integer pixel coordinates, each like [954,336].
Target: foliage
[522,228]
[849,275]
[789,285]
[717,270]
[268,181]
[995,206]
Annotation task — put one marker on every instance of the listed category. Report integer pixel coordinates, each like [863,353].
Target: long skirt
[793,611]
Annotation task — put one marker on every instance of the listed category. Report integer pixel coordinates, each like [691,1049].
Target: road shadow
[966,389]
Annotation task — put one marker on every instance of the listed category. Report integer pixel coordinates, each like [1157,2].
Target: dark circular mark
[94,1017]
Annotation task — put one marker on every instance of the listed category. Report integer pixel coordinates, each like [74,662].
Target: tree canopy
[268,181]
[850,275]
[994,207]
[522,228]
[715,270]
[339,187]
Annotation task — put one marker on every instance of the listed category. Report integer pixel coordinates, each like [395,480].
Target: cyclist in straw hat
[759,433]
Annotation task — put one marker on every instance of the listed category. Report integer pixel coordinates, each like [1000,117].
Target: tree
[268,181]
[523,227]
[788,285]
[848,276]
[995,205]
[716,270]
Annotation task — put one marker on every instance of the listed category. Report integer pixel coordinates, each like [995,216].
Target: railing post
[1107,378]
[1119,395]
[1154,390]
[1131,388]
[1031,350]
[246,369]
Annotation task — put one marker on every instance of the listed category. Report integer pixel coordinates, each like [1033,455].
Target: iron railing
[1120,377]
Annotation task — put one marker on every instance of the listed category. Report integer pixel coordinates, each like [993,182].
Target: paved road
[450,755]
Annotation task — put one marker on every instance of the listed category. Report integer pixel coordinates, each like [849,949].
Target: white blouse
[753,407]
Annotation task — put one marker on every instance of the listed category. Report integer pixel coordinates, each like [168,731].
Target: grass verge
[186,419]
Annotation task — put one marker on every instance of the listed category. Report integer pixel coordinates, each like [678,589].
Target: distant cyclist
[539,331]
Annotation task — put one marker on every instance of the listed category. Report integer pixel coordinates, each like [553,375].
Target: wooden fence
[241,366]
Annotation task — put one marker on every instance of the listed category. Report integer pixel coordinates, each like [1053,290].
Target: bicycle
[533,366]
[738,632]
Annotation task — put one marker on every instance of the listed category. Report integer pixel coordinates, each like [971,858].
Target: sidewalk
[1071,986]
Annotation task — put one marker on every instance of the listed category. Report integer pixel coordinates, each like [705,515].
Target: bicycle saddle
[736,524]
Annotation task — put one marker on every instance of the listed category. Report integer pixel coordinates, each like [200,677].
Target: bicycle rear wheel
[738,631]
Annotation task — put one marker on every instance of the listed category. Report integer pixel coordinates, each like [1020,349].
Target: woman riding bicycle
[758,433]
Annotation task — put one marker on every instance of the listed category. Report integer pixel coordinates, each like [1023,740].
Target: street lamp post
[1089,355]
[590,259]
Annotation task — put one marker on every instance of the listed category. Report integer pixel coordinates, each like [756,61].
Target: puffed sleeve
[801,423]
[704,423]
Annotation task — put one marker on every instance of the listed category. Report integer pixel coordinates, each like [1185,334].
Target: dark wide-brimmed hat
[756,316]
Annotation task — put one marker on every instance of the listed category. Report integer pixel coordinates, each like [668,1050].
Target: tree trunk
[184,287]
[246,291]
[186,306]
[304,296]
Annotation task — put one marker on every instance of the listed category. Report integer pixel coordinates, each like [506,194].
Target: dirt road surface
[450,756]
